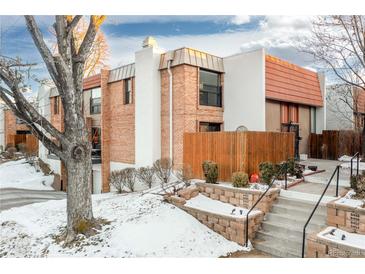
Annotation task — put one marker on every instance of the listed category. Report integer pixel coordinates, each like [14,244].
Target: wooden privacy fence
[30,141]
[236,151]
[332,144]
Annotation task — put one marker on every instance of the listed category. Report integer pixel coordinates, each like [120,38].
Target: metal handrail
[259,199]
[319,201]
[357,156]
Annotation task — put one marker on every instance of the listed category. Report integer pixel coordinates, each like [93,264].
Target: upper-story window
[128,91]
[19,121]
[210,90]
[95,101]
[56,105]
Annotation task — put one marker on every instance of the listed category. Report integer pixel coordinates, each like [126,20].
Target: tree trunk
[79,205]
[363,143]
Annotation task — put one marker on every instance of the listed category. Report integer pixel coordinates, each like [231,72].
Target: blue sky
[219,35]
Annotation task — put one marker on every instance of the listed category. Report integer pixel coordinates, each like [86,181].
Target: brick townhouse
[127,109]
[14,131]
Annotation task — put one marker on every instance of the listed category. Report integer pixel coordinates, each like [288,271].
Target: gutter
[170,105]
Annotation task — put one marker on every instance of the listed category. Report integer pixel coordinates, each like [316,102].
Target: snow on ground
[350,239]
[346,158]
[354,165]
[204,203]
[349,201]
[141,226]
[19,174]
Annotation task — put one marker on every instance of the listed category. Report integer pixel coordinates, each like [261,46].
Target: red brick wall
[187,113]
[10,127]
[121,123]
[57,118]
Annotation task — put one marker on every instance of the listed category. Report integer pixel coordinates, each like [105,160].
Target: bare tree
[338,44]
[72,146]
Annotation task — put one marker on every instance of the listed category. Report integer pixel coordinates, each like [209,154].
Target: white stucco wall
[44,107]
[321,111]
[147,106]
[2,125]
[244,91]
[339,115]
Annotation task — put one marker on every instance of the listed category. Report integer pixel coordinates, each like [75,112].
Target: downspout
[170,105]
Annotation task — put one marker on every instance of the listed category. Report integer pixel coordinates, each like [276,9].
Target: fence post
[358,162]
[338,179]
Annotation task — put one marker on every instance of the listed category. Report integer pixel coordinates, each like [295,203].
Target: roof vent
[149,42]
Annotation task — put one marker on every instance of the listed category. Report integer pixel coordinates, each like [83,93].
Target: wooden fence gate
[332,144]
[236,151]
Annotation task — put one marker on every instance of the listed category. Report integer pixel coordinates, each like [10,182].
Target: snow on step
[201,202]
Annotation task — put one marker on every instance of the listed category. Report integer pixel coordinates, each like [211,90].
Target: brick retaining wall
[321,248]
[242,197]
[348,218]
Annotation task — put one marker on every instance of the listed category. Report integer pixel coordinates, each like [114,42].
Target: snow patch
[349,201]
[204,203]
[343,237]
[20,174]
[141,226]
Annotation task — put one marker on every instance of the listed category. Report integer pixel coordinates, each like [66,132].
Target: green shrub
[267,172]
[240,179]
[210,170]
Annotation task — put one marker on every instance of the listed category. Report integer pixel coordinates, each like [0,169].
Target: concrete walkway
[315,184]
[15,197]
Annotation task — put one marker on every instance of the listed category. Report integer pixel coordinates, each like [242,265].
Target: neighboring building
[345,107]
[2,129]
[127,109]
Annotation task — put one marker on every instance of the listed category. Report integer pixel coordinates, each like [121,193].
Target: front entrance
[293,127]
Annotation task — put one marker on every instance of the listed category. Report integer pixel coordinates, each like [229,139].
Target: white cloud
[240,19]
[279,38]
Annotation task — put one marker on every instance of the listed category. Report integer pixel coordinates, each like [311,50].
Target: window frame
[128,94]
[218,93]
[209,124]
[56,105]
[94,105]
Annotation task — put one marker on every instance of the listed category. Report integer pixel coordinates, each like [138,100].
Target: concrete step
[276,250]
[297,218]
[295,229]
[297,210]
[301,204]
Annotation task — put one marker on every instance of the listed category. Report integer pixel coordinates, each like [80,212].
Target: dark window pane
[207,127]
[210,89]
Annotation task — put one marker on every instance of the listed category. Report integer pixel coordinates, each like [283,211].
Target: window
[313,119]
[289,113]
[95,101]
[19,121]
[206,127]
[96,137]
[56,105]
[128,91]
[210,90]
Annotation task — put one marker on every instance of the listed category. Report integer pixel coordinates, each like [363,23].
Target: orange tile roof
[291,83]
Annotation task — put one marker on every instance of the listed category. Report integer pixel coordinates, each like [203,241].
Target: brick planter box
[241,197]
[348,218]
[230,227]
[321,248]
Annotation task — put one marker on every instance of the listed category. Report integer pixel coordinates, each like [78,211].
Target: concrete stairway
[281,233]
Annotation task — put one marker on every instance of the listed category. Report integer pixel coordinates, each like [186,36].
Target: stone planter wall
[241,197]
[321,248]
[232,228]
[351,219]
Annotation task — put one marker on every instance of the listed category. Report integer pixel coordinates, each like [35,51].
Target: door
[293,127]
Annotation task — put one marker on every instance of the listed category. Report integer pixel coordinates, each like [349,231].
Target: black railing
[357,156]
[337,170]
[283,167]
